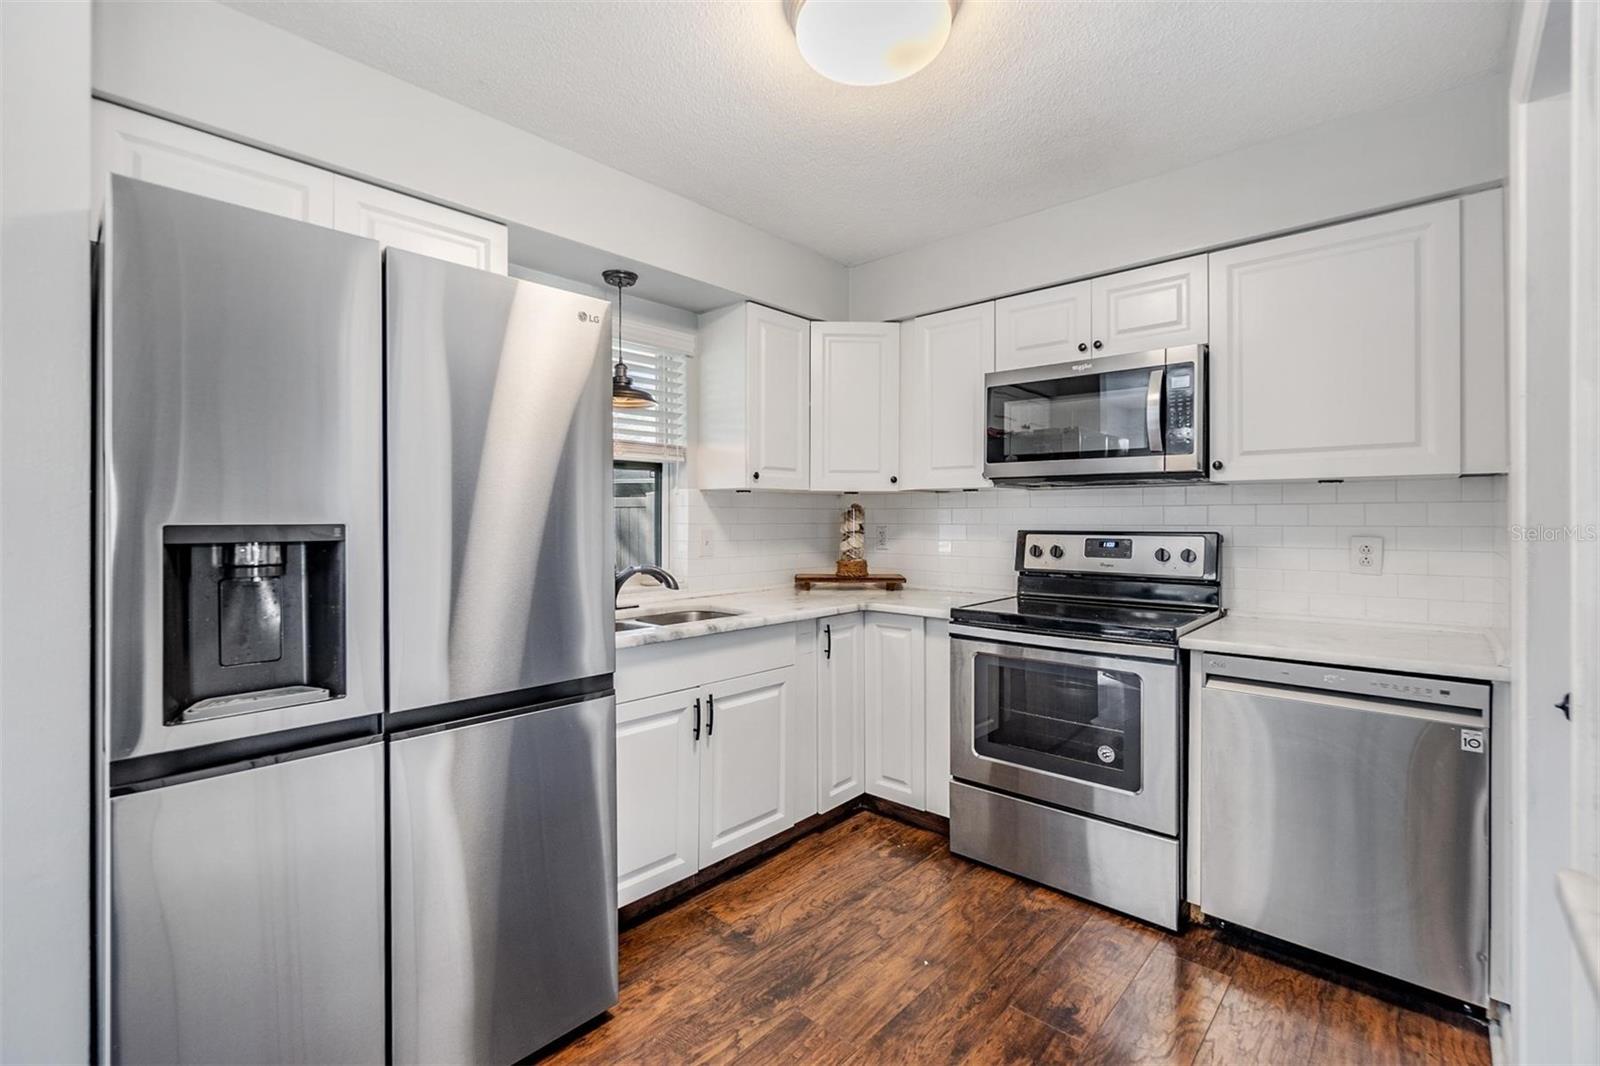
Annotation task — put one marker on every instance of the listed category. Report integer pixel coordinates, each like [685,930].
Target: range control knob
[1188,555]
[1056,552]
[1162,555]
[1036,551]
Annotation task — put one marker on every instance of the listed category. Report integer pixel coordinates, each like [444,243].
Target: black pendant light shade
[624,393]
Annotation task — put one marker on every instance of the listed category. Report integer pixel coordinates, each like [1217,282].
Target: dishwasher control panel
[1366,684]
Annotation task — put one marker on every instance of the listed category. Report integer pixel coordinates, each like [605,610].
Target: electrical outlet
[1366,555]
[708,544]
[880,536]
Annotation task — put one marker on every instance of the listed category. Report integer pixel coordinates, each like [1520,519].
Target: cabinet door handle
[1082,346]
[697,718]
[1098,345]
[755,475]
[827,645]
[1216,464]
[711,714]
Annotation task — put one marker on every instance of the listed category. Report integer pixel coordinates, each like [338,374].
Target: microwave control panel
[1182,386]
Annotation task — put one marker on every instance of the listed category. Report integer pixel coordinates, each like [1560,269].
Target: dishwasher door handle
[1468,718]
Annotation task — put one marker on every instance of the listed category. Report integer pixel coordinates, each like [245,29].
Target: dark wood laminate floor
[870,943]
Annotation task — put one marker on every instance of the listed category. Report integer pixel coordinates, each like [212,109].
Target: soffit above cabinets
[1029,106]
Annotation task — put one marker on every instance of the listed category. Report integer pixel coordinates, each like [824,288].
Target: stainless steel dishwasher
[1346,811]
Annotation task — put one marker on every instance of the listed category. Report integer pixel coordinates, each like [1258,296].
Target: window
[646,441]
[636,489]
[653,434]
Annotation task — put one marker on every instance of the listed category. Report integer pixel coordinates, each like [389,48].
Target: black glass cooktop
[1148,623]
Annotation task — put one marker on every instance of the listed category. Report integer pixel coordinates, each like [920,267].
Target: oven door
[1095,417]
[1090,726]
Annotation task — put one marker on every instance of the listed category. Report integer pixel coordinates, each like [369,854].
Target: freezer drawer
[1353,826]
[503,882]
[246,918]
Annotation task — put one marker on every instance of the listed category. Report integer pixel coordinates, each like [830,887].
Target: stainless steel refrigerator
[238,636]
[502,715]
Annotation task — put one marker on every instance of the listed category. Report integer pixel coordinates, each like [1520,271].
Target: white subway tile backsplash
[1286,545]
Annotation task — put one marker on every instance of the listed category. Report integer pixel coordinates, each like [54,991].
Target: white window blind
[653,434]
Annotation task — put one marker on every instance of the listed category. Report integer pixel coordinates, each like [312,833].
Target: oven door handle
[1153,400]
[1153,652]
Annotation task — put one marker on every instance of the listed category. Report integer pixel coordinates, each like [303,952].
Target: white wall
[1417,150]
[209,66]
[44,533]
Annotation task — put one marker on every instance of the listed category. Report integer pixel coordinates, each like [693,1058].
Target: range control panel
[1190,556]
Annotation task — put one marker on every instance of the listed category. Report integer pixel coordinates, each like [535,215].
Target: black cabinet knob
[1188,555]
[1162,555]
[893,480]
[756,476]
[1098,345]
[1082,347]
[1216,464]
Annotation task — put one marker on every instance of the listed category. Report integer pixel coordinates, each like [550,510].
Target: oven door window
[1073,721]
[1091,416]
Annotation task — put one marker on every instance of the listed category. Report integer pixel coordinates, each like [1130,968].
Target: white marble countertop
[1469,653]
[775,606]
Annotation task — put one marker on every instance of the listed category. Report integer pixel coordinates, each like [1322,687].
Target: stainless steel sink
[672,618]
[625,625]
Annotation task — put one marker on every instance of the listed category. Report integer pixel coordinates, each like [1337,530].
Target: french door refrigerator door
[499,475]
[246,915]
[504,882]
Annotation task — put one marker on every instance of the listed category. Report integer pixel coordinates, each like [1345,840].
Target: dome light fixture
[624,393]
[870,42]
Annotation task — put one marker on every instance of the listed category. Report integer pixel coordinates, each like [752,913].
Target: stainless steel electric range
[1067,715]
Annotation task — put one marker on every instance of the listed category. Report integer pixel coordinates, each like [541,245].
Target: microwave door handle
[1154,399]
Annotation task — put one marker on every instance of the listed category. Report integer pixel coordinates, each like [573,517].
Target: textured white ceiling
[1032,103]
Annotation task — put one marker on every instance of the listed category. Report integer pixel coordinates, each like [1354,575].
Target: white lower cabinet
[896,718]
[743,763]
[936,701]
[658,793]
[707,771]
[841,741]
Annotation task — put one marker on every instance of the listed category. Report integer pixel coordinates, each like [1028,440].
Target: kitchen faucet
[654,571]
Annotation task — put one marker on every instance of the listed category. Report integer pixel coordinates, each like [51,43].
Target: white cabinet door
[841,762]
[395,220]
[936,652]
[896,718]
[152,149]
[943,409]
[777,401]
[744,797]
[658,793]
[1160,306]
[1044,327]
[855,406]
[1337,353]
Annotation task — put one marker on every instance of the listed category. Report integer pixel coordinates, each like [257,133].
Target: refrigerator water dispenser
[253,617]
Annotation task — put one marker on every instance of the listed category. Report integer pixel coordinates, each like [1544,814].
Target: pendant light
[624,393]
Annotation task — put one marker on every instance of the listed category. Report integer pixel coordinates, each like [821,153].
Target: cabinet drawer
[655,668]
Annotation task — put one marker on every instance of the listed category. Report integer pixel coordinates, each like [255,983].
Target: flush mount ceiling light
[870,42]
[624,393]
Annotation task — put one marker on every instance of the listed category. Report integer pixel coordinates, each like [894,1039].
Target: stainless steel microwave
[1120,418]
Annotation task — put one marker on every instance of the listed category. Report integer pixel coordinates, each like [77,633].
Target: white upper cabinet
[1044,327]
[1161,306]
[154,150]
[658,792]
[855,406]
[395,220]
[896,710]
[753,422]
[744,769]
[943,418]
[1336,353]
